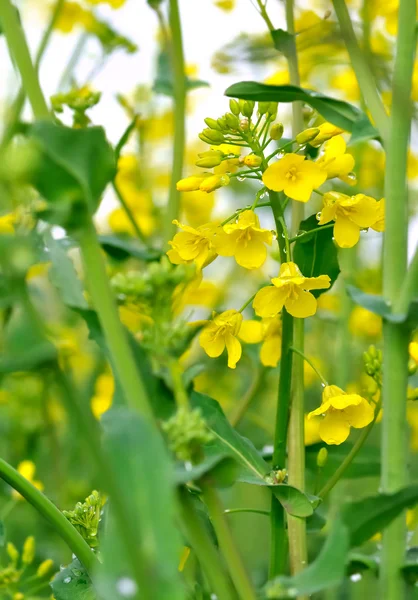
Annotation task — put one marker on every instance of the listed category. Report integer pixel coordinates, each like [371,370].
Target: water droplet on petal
[67,580]
[352,177]
[318,216]
[281,154]
[241,178]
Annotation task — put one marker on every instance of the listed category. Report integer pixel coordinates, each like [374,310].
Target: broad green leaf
[356,523]
[73,583]
[378,305]
[145,482]
[63,276]
[316,254]
[163,83]
[283,41]
[340,113]
[2,534]
[228,441]
[121,249]
[71,173]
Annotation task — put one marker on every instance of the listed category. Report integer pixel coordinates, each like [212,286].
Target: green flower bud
[273,107]
[248,108]
[28,553]
[205,139]
[307,136]
[263,107]
[222,123]
[234,107]
[276,131]
[232,121]
[212,124]
[322,457]
[214,136]
[252,160]
[187,432]
[12,552]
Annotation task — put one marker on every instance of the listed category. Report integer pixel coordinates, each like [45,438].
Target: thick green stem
[179,97]
[409,289]
[227,544]
[51,513]
[395,336]
[18,48]
[133,387]
[298,553]
[362,70]
[206,552]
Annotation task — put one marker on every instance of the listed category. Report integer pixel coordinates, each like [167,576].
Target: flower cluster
[85,517]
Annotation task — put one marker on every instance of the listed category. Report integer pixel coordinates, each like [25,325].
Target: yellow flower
[103,394]
[228,165]
[214,182]
[365,323]
[27,469]
[379,224]
[191,184]
[326,132]
[268,331]
[289,289]
[192,245]
[350,213]
[341,411]
[220,332]
[413,351]
[7,223]
[295,176]
[72,14]
[312,430]
[244,240]
[346,81]
[226,5]
[335,160]
[197,207]
[278,78]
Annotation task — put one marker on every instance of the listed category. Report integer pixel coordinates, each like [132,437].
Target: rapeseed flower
[295,176]
[336,161]
[268,331]
[245,240]
[103,394]
[290,289]
[350,213]
[341,411]
[326,132]
[27,469]
[222,331]
[192,245]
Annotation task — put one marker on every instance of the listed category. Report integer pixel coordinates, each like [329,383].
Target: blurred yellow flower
[346,81]
[365,323]
[71,15]
[27,469]
[290,289]
[295,176]
[221,332]
[245,240]
[197,207]
[7,223]
[413,351]
[341,411]
[103,394]
[268,331]
[226,5]
[350,213]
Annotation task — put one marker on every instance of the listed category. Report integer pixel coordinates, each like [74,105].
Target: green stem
[301,236]
[362,70]
[409,289]
[18,48]
[265,16]
[244,306]
[201,543]
[257,511]
[243,405]
[227,544]
[310,363]
[298,554]
[129,213]
[350,456]
[133,387]
[395,336]
[180,394]
[51,513]
[179,97]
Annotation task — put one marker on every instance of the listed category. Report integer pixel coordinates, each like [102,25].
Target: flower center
[292,175]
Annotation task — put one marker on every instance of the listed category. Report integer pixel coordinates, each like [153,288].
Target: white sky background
[205,30]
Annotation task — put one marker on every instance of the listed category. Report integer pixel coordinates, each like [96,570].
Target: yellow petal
[334,429]
[344,400]
[321,410]
[300,190]
[271,351]
[327,214]
[269,301]
[251,332]
[213,346]
[251,255]
[317,283]
[234,349]
[413,351]
[361,415]
[346,233]
[364,213]
[304,305]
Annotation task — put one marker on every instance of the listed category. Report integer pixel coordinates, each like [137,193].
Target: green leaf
[2,534]
[359,562]
[63,276]
[339,113]
[73,583]
[145,482]
[163,82]
[356,523]
[378,305]
[71,173]
[410,568]
[230,443]
[283,41]
[316,254]
[121,249]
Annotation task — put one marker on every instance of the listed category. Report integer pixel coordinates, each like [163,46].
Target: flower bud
[222,123]
[213,135]
[234,107]
[307,136]
[209,159]
[252,160]
[190,184]
[28,553]
[206,139]
[322,457]
[12,552]
[272,109]
[213,183]
[263,107]
[232,121]
[276,131]
[45,567]
[212,123]
[248,108]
